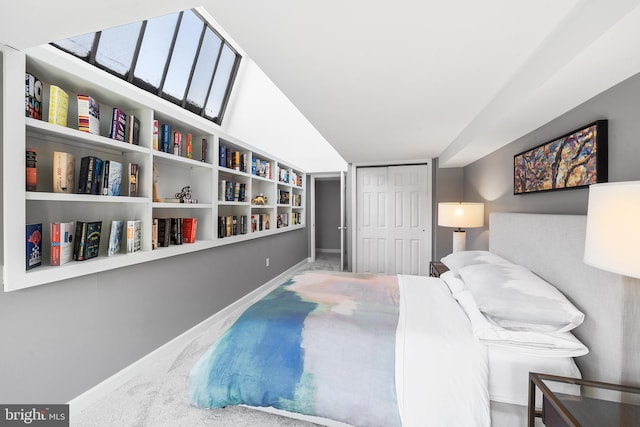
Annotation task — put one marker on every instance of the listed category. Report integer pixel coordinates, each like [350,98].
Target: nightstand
[582,403]
[436,268]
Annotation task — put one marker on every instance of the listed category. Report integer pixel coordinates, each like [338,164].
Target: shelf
[64,197]
[168,205]
[179,160]
[261,178]
[162,174]
[73,137]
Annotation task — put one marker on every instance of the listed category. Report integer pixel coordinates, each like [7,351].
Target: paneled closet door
[391,219]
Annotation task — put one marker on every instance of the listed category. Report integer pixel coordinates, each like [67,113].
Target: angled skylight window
[178,57]
[80,46]
[116,48]
[183,55]
[205,65]
[154,51]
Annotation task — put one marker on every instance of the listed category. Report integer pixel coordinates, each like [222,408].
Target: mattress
[509,373]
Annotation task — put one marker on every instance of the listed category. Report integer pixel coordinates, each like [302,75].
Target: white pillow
[457,260]
[515,298]
[563,344]
[454,282]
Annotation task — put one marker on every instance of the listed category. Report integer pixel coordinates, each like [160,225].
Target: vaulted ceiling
[397,81]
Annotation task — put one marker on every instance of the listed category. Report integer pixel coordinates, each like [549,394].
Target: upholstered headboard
[552,246]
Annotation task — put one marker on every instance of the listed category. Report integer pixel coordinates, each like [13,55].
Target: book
[96,184]
[165,138]
[89,178]
[189,228]
[164,232]
[33,96]
[177,143]
[155,135]
[154,233]
[88,115]
[189,146]
[118,124]
[31,176]
[222,188]
[61,243]
[115,237]
[175,235]
[58,106]
[64,172]
[222,156]
[133,130]
[133,173]
[34,245]
[204,147]
[134,235]
[112,178]
[86,240]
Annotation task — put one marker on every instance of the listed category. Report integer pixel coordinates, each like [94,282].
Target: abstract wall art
[576,159]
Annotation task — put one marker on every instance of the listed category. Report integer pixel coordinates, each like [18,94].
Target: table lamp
[613,228]
[460,215]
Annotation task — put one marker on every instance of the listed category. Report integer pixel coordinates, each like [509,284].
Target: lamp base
[459,240]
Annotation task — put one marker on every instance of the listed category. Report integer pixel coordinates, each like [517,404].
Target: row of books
[232,225]
[261,168]
[231,159]
[230,191]
[282,219]
[123,127]
[173,231]
[174,142]
[296,200]
[80,240]
[289,177]
[283,197]
[96,176]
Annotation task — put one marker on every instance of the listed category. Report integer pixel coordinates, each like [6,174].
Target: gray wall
[447,187]
[60,339]
[490,179]
[328,214]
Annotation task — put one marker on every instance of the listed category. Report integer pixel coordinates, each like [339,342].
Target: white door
[391,220]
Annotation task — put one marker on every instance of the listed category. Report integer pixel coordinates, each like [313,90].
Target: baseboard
[328,251]
[94,394]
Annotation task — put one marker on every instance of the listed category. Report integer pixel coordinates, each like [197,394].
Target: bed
[427,351]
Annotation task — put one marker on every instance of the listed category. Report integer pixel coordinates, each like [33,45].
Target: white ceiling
[396,81]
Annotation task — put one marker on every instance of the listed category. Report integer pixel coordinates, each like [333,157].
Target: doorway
[327,234]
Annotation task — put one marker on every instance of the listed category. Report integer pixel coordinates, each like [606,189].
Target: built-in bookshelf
[186,179]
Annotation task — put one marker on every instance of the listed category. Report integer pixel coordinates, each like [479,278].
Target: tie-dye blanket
[321,344]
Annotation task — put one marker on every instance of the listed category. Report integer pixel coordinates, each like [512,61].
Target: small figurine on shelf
[259,200]
[184,195]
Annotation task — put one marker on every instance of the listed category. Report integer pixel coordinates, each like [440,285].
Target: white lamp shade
[461,215]
[613,228]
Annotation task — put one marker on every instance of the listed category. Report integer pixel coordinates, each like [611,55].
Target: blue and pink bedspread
[321,344]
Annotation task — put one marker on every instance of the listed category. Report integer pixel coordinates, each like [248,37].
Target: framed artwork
[577,159]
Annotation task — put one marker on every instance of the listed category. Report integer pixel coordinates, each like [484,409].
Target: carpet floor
[158,395]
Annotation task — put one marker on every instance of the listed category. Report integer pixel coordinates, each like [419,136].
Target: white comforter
[442,371]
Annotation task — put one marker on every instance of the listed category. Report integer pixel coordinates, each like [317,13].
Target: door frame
[354,193]
[312,214]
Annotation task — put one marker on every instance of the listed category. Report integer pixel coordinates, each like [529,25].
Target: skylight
[178,57]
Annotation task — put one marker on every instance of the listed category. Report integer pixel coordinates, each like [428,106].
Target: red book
[55,243]
[189,226]
[177,143]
